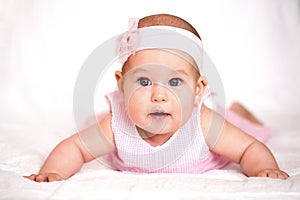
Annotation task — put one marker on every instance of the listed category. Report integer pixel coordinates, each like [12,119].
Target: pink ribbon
[128,42]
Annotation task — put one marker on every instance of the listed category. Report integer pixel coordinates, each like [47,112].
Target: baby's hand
[273,173]
[47,177]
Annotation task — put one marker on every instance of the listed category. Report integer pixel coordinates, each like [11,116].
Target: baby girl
[158,122]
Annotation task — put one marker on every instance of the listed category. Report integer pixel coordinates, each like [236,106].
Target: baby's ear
[119,76]
[200,87]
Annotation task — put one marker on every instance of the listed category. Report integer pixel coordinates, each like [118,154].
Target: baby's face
[160,90]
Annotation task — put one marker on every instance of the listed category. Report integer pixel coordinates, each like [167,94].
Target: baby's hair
[167,20]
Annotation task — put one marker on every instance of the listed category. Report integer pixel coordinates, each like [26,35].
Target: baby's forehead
[165,51]
[170,58]
[161,62]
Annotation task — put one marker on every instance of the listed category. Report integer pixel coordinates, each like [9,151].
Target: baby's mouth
[159,115]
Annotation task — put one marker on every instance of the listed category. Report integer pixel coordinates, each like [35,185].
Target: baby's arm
[253,156]
[69,155]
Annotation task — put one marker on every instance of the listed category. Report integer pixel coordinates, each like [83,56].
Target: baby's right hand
[46,177]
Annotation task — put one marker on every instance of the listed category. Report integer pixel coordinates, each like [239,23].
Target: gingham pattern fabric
[185,152]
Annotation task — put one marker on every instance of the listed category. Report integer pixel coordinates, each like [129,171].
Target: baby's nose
[159,94]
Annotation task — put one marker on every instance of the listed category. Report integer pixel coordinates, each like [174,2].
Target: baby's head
[161,86]
[172,21]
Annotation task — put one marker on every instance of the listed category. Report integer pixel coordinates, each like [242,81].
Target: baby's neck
[154,139]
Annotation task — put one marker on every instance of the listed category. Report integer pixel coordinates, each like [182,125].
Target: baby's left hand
[273,173]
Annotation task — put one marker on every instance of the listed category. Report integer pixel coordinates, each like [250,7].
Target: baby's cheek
[185,100]
[135,106]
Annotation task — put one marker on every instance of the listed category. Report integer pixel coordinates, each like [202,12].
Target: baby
[158,122]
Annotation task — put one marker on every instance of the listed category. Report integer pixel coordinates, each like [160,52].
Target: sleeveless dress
[185,152]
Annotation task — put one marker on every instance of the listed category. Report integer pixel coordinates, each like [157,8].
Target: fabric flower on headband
[128,42]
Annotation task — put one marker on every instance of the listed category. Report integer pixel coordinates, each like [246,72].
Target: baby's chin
[158,130]
[159,123]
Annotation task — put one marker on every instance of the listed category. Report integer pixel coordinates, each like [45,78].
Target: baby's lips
[159,114]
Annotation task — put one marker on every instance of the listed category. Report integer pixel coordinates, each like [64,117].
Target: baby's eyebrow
[140,70]
[182,71]
[178,71]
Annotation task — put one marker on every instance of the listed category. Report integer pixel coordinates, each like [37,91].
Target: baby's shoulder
[205,118]
[210,120]
[207,115]
[105,126]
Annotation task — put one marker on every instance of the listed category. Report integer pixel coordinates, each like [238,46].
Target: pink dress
[185,152]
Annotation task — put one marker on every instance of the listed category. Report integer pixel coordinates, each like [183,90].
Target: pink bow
[128,42]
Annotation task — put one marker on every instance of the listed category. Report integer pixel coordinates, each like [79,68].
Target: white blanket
[254,44]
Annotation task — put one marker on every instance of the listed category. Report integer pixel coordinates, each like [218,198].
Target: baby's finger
[31,177]
[272,174]
[54,177]
[262,174]
[41,178]
[283,175]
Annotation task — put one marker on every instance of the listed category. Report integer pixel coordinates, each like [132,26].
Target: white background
[255,46]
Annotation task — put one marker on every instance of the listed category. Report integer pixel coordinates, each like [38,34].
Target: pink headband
[168,37]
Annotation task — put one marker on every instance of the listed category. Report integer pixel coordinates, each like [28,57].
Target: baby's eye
[144,82]
[175,82]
